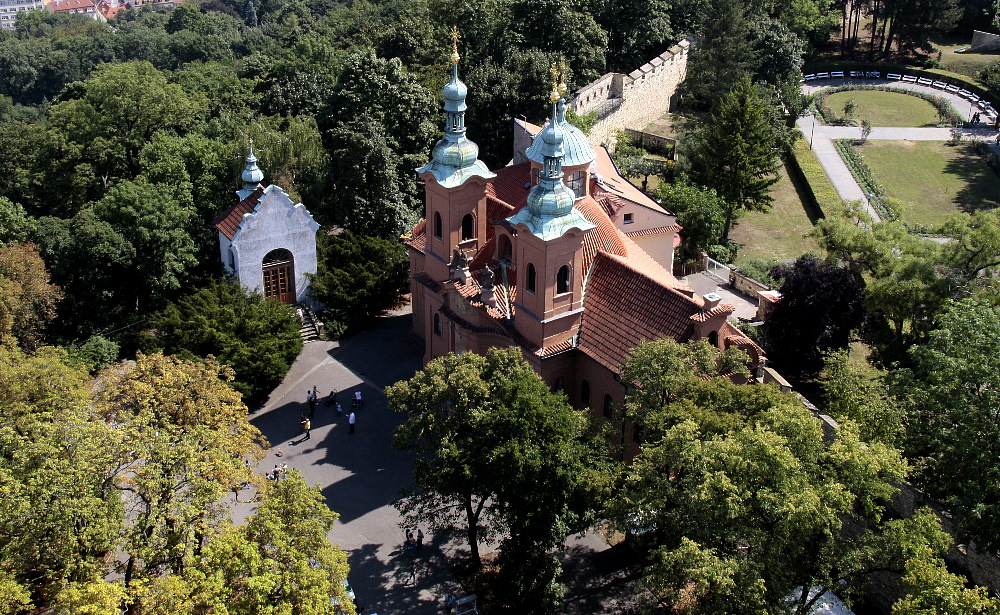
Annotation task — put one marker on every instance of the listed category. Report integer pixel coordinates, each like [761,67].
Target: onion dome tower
[252,175]
[549,212]
[455,158]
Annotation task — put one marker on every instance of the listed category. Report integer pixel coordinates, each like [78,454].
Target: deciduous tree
[502,458]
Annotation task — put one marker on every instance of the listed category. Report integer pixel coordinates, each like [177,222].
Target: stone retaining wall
[634,100]
[984,41]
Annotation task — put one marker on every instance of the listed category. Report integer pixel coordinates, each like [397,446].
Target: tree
[638,31]
[154,219]
[821,305]
[739,498]
[933,590]
[186,442]
[94,300]
[280,561]
[699,211]
[951,396]
[121,108]
[59,514]
[27,299]
[723,55]
[860,393]
[16,226]
[735,153]
[358,277]
[258,338]
[503,458]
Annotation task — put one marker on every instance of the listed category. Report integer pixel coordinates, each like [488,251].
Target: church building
[556,254]
[267,241]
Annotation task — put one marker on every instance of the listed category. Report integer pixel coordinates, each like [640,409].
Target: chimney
[711,300]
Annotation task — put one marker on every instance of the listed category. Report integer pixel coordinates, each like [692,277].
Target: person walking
[350,421]
[340,409]
[420,539]
[409,538]
[311,400]
[306,426]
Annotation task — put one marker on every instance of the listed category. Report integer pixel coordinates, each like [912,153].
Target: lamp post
[812,133]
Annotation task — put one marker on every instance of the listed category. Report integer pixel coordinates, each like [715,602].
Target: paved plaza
[360,474]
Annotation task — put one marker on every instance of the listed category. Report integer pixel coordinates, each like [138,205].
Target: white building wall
[10,8]
[275,223]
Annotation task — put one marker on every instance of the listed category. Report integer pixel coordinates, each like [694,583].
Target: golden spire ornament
[562,78]
[454,45]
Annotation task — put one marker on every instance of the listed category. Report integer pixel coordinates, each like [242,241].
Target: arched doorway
[279,275]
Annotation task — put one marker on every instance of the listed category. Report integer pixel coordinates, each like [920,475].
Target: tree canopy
[503,459]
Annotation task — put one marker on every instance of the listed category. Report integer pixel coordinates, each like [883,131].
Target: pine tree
[736,152]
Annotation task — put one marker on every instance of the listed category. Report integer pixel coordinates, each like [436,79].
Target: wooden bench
[894,76]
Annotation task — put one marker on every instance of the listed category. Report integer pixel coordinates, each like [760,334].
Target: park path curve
[821,137]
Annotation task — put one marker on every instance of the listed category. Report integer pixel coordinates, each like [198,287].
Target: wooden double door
[279,276]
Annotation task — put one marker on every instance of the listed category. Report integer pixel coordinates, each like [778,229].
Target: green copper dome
[576,147]
[455,158]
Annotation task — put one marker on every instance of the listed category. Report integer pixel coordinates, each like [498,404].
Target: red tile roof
[673,228]
[228,222]
[418,237]
[623,307]
[71,5]
[508,186]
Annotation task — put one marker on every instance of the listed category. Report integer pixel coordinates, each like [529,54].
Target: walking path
[821,137]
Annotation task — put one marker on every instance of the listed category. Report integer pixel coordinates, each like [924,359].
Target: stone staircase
[311,329]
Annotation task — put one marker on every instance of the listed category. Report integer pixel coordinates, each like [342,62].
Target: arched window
[468,227]
[609,412]
[562,280]
[575,183]
[713,338]
[437,324]
[437,225]
[585,393]
[529,283]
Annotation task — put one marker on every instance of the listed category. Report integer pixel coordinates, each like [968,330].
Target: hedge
[945,110]
[819,189]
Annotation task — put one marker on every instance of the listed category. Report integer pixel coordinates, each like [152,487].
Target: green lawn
[780,232]
[886,108]
[933,178]
[968,64]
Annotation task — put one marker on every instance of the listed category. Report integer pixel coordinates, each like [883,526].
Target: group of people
[312,399]
[415,543]
[280,471]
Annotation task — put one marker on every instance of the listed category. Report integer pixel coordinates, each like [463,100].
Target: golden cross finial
[455,36]
[562,77]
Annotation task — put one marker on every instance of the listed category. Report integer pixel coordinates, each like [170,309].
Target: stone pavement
[360,474]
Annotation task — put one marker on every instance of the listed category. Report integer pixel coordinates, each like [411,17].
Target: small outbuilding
[267,241]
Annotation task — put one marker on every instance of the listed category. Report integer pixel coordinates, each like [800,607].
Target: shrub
[358,278]
[759,269]
[96,353]
[259,338]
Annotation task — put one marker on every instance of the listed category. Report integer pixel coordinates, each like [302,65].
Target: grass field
[886,108]
[968,64]
[934,179]
[780,232]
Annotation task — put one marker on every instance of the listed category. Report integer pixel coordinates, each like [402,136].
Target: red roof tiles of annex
[228,222]
[623,307]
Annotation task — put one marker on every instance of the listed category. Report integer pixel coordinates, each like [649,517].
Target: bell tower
[455,184]
[548,246]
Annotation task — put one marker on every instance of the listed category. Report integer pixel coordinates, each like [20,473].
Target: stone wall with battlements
[633,100]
